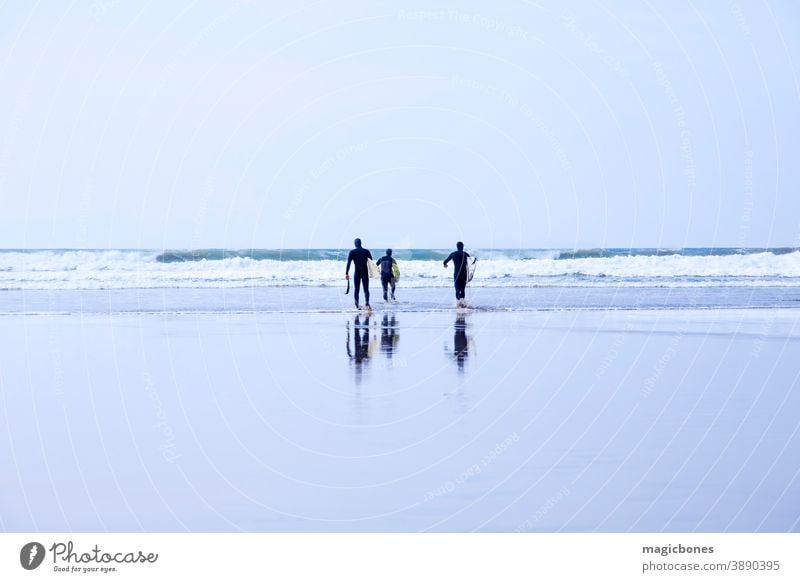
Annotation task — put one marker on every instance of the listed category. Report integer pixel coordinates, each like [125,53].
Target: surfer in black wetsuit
[460,268]
[358,256]
[386,263]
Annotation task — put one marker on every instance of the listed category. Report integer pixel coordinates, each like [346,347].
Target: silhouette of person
[387,265]
[358,257]
[460,271]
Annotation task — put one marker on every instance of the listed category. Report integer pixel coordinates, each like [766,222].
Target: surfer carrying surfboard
[388,267]
[460,271]
[359,257]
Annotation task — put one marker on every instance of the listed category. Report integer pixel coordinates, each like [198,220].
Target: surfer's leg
[366,289]
[358,278]
[394,283]
[461,284]
[385,285]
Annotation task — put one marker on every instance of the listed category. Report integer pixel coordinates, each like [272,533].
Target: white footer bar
[406,557]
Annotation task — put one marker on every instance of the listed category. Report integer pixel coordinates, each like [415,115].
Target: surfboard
[395,272]
[374,270]
[471,268]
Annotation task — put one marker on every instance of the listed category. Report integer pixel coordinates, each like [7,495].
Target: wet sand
[403,421]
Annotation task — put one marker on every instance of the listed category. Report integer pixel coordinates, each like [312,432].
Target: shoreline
[380,311]
[432,299]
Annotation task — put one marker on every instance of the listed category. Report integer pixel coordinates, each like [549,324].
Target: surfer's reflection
[360,353]
[461,341]
[389,334]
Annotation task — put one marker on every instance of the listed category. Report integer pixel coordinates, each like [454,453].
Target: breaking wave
[222,268]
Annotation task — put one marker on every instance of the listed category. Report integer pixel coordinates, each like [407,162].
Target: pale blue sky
[305,124]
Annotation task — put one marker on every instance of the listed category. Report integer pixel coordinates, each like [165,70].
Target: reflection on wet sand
[361,348]
[390,334]
[359,355]
[461,341]
[361,351]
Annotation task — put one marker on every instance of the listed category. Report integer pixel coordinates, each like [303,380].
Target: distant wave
[222,268]
[174,256]
[253,254]
[181,256]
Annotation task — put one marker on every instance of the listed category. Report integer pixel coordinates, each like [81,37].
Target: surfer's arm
[347,268]
[448,259]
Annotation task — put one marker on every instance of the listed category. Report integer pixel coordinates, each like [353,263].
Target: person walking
[358,257]
[387,265]
[460,270]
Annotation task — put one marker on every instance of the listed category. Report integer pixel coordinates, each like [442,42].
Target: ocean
[210,280]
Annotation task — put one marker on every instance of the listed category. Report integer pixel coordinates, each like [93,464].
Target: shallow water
[331,299]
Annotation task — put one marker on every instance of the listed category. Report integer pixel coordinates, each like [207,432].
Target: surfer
[460,268]
[358,256]
[388,265]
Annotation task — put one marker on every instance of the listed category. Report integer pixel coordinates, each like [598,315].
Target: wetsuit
[387,275]
[459,259]
[358,256]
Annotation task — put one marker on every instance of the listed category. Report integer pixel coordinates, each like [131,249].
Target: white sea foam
[121,269]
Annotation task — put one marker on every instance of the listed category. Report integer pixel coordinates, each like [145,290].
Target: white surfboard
[374,270]
[471,262]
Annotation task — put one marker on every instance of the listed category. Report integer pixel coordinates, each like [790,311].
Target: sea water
[210,280]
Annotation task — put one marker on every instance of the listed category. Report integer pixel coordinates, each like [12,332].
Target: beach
[342,275]
[166,411]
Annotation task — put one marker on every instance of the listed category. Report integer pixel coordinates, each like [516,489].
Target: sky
[304,124]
